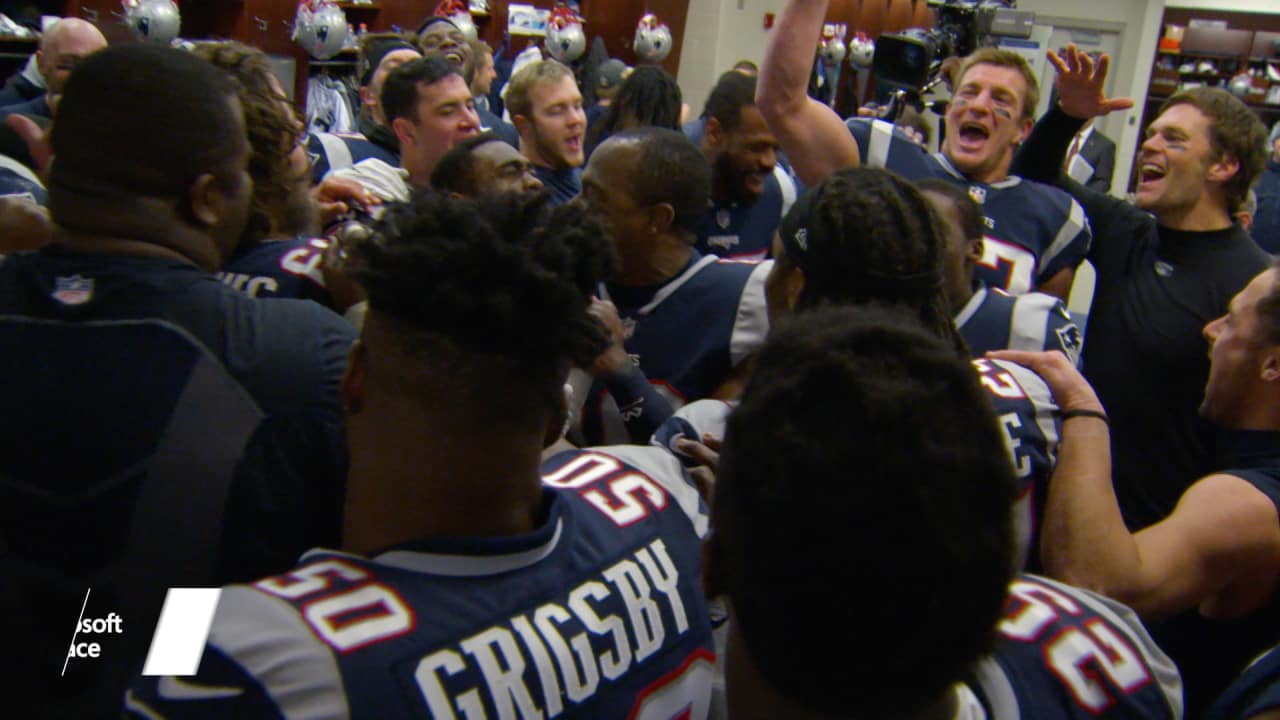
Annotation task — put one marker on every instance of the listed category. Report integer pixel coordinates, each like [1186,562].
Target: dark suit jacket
[1100,152]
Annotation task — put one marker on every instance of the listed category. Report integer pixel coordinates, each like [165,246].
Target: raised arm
[813,136]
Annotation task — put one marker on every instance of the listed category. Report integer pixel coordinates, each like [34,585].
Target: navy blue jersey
[1034,231]
[598,613]
[335,151]
[745,232]
[687,335]
[563,185]
[496,125]
[693,422]
[1028,419]
[289,354]
[1063,653]
[284,268]
[1257,690]
[1024,408]
[996,320]
[18,181]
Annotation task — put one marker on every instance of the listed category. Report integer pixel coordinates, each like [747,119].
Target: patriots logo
[1072,341]
[73,290]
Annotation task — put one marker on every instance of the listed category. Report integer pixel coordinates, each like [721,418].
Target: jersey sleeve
[261,661]
[378,177]
[663,467]
[693,421]
[1041,322]
[883,145]
[751,324]
[1065,652]
[1028,419]
[1070,243]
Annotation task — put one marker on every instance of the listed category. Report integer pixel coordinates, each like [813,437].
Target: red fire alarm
[768,21]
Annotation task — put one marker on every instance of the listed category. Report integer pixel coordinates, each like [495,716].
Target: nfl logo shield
[74,290]
[628,328]
[722,218]
[978,194]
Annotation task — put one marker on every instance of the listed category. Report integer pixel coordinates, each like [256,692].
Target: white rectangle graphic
[178,643]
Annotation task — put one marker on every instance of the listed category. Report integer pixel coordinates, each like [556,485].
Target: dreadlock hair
[865,235]
[845,404]
[491,294]
[971,225]
[273,130]
[648,97]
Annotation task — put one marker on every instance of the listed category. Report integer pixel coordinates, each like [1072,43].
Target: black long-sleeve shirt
[1147,359]
[1144,352]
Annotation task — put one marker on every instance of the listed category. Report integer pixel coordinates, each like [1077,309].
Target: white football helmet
[862,50]
[320,28]
[653,39]
[462,19]
[156,21]
[566,41]
[833,50]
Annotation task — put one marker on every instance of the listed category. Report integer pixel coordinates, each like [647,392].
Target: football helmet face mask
[156,21]
[653,39]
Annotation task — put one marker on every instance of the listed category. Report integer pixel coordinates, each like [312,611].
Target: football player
[989,318]
[1035,235]
[750,191]
[469,582]
[689,321]
[861,533]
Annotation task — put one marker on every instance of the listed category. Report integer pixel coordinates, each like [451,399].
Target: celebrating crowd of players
[531,431]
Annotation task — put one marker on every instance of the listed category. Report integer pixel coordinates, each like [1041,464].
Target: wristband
[1087,413]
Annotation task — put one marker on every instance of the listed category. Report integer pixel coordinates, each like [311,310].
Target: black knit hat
[374,51]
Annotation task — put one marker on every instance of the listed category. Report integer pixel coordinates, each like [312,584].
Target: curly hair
[863,502]
[492,292]
[272,128]
[870,237]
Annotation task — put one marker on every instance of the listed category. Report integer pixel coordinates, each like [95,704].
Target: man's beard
[735,181]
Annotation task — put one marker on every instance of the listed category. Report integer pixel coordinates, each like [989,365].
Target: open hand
[1080,84]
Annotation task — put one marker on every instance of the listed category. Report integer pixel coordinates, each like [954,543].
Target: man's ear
[712,133]
[1270,370]
[1224,169]
[662,217]
[522,124]
[207,199]
[353,378]
[1024,129]
[403,128]
[367,98]
[977,246]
